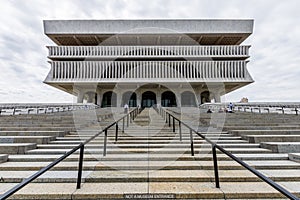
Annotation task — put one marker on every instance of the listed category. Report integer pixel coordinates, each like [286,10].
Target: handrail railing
[167,116]
[139,51]
[160,69]
[14,109]
[130,115]
[260,107]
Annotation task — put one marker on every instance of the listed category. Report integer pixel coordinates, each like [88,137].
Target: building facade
[148,62]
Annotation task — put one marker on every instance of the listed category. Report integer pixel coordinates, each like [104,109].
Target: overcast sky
[275,51]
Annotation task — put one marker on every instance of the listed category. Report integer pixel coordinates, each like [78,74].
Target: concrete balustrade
[18,109]
[146,51]
[149,70]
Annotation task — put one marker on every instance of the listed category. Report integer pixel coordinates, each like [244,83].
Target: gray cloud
[274,54]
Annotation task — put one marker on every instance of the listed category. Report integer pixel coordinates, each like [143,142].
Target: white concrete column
[198,96]
[80,96]
[138,98]
[178,98]
[119,98]
[217,97]
[90,97]
[158,98]
[99,98]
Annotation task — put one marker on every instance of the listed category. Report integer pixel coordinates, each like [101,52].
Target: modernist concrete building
[147,62]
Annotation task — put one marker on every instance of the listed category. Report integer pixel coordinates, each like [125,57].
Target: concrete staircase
[147,161]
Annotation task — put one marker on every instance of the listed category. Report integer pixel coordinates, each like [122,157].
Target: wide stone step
[99,150]
[136,176]
[116,157]
[148,146]
[51,128]
[83,137]
[263,156]
[282,127]
[152,165]
[272,138]
[26,139]
[143,157]
[282,147]
[174,141]
[149,190]
[264,132]
[33,133]
[149,139]
[147,134]
[127,165]
[16,148]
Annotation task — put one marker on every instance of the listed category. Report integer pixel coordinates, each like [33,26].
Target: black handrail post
[174,124]
[117,127]
[166,117]
[105,141]
[192,142]
[216,166]
[123,124]
[169,120]
[180,134]
[127,120]
[80,166]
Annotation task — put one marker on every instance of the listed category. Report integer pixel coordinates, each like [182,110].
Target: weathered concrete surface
[130,169]
[294,157]
[282,147]
[3,158]
[147,26]
[26,139]
[17,148]
[272,138]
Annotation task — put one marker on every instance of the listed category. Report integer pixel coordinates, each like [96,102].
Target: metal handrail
[167,116]
[132,114]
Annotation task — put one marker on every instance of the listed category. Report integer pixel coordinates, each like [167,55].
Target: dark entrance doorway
[168,99]
[109,100]
[148,99]
[205,97]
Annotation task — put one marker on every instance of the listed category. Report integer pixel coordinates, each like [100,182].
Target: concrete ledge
[33,128]
[265,132]
[26,139]
[282,147]
[33,133]
[192,26]
[271,138]
[294,157]
[242,128]
[19,148]
[3,158]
